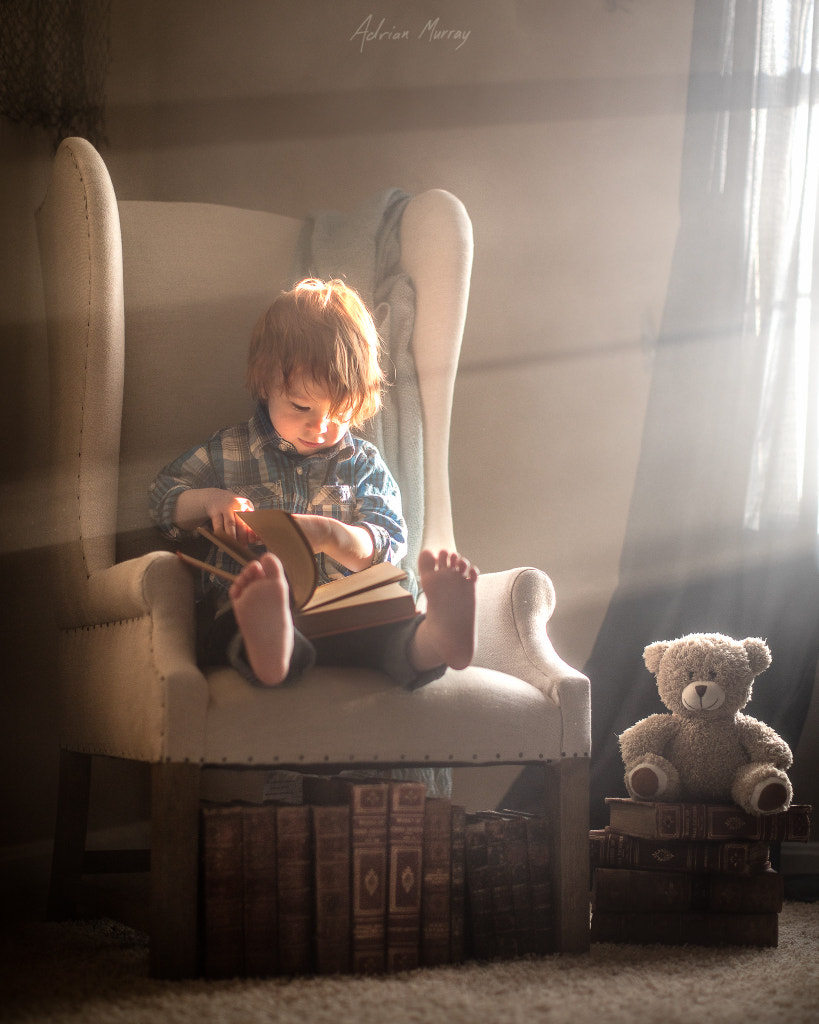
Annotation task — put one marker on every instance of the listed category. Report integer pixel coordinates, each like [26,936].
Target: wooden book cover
[624,889]
[505,944]
[538,860]
[294,847]
[687,928]
[368,802]
[457,892]
[405,829]
[436,887]
[222,891]
[260,890]
[515,835]
[333,888]
[612,849]
[540,878]
[480,942]
[695,821]
[373,596]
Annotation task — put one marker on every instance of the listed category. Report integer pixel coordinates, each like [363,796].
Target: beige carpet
[96,973]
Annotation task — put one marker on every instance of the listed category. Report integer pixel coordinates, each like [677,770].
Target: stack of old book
[679,873]
[508,885]
[366,876]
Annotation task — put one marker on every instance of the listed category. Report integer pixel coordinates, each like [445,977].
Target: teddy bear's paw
[762,789]
[646,782]
[770,796]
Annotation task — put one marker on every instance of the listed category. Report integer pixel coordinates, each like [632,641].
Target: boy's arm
[378,508]
[188,492]
[376,532]
[348,544]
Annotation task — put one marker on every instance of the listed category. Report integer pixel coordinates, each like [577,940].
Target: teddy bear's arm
[763,744]
[650,735]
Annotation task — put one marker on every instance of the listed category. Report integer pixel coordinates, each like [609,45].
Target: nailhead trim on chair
[375,757]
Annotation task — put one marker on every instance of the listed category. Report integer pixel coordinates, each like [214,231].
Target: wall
[558,122]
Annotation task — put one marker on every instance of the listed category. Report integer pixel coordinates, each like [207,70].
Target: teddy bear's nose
[701,690]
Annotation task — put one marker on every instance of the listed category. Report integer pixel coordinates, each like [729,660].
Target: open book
[371,597]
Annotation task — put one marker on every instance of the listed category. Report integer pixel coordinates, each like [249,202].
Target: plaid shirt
[349,482]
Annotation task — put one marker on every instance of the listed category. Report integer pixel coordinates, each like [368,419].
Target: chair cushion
[474,716]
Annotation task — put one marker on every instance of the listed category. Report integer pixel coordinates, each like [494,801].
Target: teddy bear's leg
[652,778]
[762,789]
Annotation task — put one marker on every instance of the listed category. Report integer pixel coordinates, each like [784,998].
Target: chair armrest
[130,685]
[514,608]
[131,589]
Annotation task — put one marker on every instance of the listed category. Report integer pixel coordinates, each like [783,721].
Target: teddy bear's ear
[653,655]
[759,657]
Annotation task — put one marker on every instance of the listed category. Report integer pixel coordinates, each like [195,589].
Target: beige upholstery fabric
[140,370]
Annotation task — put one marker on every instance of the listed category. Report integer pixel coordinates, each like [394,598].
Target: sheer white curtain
[723,520]
[781,191]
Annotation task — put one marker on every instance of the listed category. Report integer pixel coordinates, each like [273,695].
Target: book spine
[792,825]
[260,891]
[517,853]
[540,880]
[295,889]
[504,931]
[480,927]
[457,891]
[436,886]
[222,884]
[608,848]
[369,851]
[333,889]
[625,890]
[405,875]
[699,929]
[696,821]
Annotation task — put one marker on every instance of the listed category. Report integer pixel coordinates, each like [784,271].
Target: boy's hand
[196,506]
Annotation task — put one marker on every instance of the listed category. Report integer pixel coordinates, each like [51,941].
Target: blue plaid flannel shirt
[349,482]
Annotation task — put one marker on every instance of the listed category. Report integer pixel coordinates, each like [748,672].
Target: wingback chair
[149,308]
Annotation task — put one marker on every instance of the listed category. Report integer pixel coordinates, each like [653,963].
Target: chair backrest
[150,308]
[196,279]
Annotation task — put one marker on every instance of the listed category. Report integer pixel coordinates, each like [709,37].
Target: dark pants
[385,648]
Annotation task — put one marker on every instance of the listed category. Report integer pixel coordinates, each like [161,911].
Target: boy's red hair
[321,331]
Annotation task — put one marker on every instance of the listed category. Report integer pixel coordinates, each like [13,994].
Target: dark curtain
[722,528]
[54,57]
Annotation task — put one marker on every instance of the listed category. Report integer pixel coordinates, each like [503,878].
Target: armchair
[149,308]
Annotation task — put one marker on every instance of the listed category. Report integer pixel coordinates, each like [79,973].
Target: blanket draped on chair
[364,248]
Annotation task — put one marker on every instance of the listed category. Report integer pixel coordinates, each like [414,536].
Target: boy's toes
[271,565]
[446,561]
[427,561]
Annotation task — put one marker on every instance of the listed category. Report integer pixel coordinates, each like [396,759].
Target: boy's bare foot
[447,634]
[261,603]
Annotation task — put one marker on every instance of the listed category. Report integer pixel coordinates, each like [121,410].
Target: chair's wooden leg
[174,869]
[69,834]
[567,802]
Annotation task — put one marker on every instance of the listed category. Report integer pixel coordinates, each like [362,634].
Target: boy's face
[301,416]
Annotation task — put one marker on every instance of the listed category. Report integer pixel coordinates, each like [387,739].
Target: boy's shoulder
[236,432]
[365,448]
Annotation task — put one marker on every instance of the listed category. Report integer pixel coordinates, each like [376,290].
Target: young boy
[313,369]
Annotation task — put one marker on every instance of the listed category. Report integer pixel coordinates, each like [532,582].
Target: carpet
[97,973]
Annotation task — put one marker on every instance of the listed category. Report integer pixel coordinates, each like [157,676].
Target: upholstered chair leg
[69,834]
[567,806]
[174,869]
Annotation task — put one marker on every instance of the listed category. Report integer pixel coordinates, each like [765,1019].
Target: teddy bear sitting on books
[706,750]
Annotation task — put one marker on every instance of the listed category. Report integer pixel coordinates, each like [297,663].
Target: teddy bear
[706,751]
